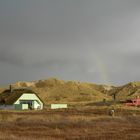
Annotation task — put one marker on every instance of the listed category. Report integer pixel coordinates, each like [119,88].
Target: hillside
[58,91]
[81,91]
[128,91]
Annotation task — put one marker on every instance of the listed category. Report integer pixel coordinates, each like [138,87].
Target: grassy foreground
[72,124]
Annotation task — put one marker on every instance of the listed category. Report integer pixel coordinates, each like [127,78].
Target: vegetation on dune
[81,122]
[58,91]
[55,91]
[128,91]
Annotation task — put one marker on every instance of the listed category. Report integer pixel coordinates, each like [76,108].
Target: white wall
[57,106]
[36,105]
[28,96]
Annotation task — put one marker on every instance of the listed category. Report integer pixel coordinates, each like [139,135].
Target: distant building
[22,99]
[133,102]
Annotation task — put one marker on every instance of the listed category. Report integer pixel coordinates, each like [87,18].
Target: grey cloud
[92,40]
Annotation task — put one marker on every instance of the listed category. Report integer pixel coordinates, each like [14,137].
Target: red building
[133,102]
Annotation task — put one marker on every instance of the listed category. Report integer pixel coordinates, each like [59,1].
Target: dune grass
[72,124]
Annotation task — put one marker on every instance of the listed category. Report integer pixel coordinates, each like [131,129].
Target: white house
[22,99]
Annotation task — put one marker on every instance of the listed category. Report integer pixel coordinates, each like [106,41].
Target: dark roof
[10,98]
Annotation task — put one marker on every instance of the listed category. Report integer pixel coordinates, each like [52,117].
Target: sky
[84,40]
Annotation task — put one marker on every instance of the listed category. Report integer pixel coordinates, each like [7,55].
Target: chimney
[10,88]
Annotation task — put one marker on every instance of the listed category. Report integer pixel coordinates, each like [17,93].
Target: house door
[29,102]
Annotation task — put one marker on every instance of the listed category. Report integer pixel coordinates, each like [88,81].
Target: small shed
[58,106]
[22,99]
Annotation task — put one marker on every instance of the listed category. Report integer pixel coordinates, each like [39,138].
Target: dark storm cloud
[92,40]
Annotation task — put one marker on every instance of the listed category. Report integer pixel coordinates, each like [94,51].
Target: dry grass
[128,91]
[57,91]
[73,124]
[90,122]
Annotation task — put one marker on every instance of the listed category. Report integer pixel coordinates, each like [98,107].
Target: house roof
[12,97]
